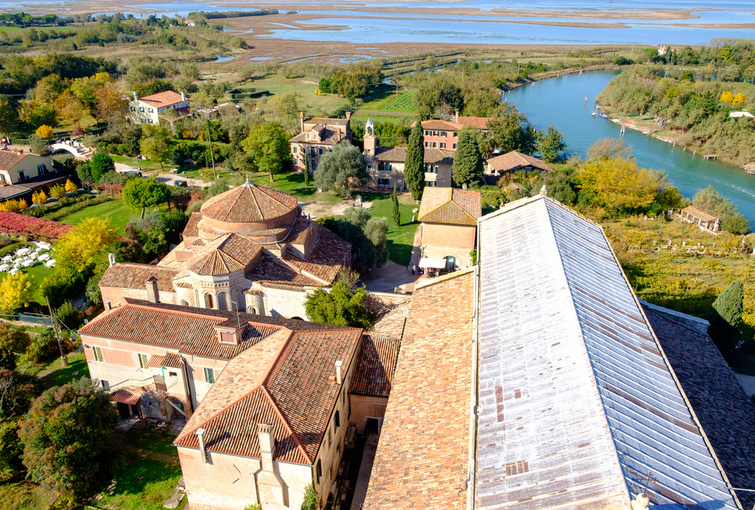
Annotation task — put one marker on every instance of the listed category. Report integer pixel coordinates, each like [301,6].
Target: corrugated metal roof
[576,399]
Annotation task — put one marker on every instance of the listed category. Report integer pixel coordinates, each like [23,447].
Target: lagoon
[561,102]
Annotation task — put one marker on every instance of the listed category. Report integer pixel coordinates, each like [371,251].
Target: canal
[561,102]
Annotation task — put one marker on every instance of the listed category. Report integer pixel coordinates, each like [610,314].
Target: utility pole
[63,359]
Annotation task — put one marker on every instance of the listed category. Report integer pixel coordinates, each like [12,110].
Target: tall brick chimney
[153,292]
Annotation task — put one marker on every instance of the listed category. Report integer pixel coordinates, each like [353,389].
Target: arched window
[223,301]
[253,310]
[208,301]
[184,302]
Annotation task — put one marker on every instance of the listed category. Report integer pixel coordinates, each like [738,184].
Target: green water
[561,102]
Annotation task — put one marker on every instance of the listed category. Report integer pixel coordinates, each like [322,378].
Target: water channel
[561,102]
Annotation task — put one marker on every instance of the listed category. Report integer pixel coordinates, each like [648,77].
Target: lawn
[53,374]
[115,210]
[385,100]
[146,164]
[309,101]
[400,239]
[150,473]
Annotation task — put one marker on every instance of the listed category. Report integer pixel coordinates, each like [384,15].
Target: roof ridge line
[254,200]
[286,424]
[244,395]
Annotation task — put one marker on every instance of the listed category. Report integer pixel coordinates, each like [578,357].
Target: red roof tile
[249,203]
[124,397]
[9,159]
[450,206]
[134,276]
[161,99]
[423,453]
[374,371]
[512,161]
[192,227]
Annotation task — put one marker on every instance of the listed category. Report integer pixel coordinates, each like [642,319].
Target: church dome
[249,208]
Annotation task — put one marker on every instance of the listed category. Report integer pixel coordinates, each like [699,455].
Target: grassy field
[146,164]
[115,210]
[150,473]
[309,101]
[385,100]
[53,374]
[401,238]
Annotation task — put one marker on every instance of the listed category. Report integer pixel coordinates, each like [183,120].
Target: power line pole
[63,359]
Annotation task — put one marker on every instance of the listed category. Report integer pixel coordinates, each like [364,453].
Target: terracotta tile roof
[398,155]
[216,263]
[173,360]
[249,203]
[134,276]
[474,122]
[327,137]
[391,322]
[271,271]
[125,397]
[438,124]
[375,366]
[9,159]
[301,231]
[697,213]
[326,258]
[162,99]
[724,410]
[155,361]
[192,226]
[284,381]
[239,248]
[512,161]
[450,206]
[423,453]
[191,330]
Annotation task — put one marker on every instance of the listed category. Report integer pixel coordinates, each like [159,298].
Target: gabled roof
[577,400]
[512,161]
[422,457]
[398,155]
[162,99]
[698,214]
[450,206]
[286,381]
[325,259]
[457,124]
[249,203]
[126,275]
[327,136]
[9,159]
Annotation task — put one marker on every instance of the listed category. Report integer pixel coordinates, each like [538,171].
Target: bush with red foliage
[14,223]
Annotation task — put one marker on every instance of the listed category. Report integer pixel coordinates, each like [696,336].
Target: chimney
[111,259]
[136,96]
[456,116]
[267,445]
[183,96]
[348,115]
[153,294]
[543,191]
[200,436]
[108,306]
[301,121]
[339,376]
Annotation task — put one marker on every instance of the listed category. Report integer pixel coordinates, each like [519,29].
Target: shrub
[57,191]
[71,187]
[14,223]
[45,131]
[39,197]
[43,347]
[68,315]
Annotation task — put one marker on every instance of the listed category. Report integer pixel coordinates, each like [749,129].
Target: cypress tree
[725,316]
[306,169]
[396,210]
[467,167]
[414,166]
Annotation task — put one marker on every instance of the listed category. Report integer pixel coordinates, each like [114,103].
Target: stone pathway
[365,468]
[176,497]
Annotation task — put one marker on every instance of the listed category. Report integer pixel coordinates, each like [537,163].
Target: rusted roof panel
[577,401]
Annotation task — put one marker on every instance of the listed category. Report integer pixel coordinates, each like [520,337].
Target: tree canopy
[725,316]
[414,166]
[81,247]
[619,184]
[438,96]
[15,292]
[268,145]
[68,439]
[511,131]
[156,144]
[341,169]
[342,306]
[467,167]
[100,165]
[143,193]
[551,145]
[13,341]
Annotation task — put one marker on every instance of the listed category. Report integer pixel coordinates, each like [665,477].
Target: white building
[148,109]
